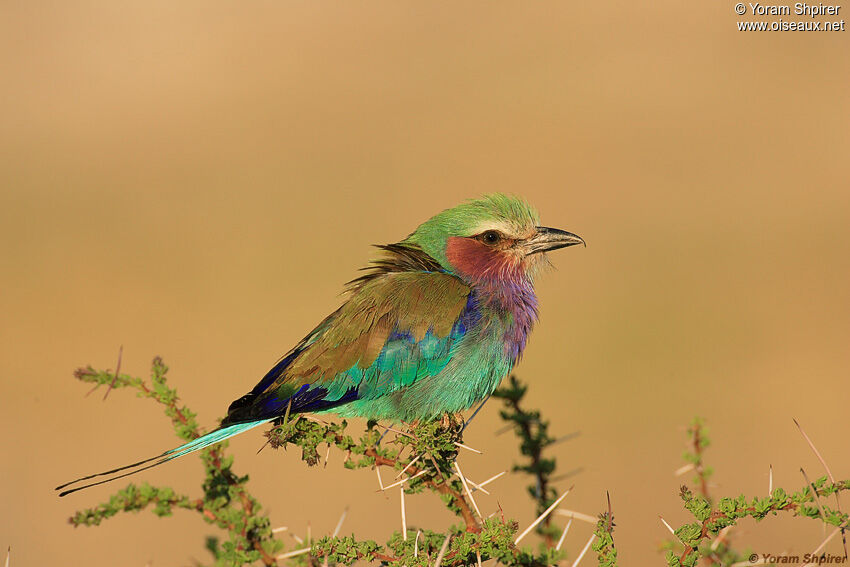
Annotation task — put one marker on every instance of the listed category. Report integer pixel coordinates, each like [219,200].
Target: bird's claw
[451,421]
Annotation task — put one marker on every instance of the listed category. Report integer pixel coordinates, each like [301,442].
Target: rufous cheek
[476,260]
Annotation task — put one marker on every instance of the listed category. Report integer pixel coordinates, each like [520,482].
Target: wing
[395,329]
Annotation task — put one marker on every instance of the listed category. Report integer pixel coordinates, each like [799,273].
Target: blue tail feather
[212,438]
[202,442]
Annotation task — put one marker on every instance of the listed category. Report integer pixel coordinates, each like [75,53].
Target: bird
[431,328]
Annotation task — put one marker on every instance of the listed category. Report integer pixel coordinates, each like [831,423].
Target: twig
[787,504]
[698,447]
[117,370]
[410,435]
[440,487]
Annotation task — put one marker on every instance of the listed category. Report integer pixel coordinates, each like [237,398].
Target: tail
[202,442]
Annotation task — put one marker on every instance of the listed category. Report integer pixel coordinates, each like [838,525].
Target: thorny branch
[714,521]
[699,442]
[533,433]
[430,465]
[442,444]
[250,531]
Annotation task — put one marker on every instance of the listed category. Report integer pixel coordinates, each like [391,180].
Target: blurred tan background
[198,180]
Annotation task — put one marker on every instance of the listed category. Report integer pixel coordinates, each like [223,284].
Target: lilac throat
[517,304]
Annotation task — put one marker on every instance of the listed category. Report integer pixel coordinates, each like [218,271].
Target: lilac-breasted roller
[431,328]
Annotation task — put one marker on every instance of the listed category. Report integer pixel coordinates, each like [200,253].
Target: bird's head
[497,237]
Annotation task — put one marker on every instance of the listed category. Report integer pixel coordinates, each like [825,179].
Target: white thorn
[380,482]
[682,470]
[721,535]
[443,549]
[410,464]
[577,515]
[402,481]
[563,535]
[666,525]
[541,516]
[279,530]
[289,554]
[462,446]
[477,487]
[583,551]
[403,515]
[339,523]
[492,478]
[466,487]
[817,453]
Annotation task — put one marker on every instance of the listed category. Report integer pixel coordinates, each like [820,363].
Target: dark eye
[491,237]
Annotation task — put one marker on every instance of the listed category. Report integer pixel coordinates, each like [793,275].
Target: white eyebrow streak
[508,229]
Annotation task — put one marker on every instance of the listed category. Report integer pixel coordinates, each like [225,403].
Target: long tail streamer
[202,442]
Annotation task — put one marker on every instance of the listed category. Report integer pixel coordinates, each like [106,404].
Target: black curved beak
[548,239]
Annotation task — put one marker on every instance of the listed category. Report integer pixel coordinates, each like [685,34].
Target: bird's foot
[451,421]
